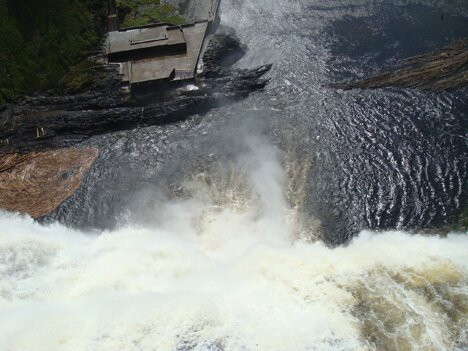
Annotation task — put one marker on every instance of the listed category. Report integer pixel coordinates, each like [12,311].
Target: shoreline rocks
[442,70]
[35,183]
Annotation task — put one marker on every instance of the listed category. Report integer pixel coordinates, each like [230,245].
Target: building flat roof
[183,65]
[161,51]
[129,41]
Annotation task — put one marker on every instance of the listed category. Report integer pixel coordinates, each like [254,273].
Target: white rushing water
[211,274]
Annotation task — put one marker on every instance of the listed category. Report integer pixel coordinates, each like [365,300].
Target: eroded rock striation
[35,183]
[446,69]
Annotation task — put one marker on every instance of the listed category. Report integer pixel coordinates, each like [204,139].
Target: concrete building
[159,52]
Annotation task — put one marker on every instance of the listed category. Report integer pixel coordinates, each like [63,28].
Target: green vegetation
[41,39]
[82,76]
[142,12]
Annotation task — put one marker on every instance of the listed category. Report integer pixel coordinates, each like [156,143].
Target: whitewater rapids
[202,276]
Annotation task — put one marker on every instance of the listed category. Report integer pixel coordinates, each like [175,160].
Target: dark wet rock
[49,121]
[222,52]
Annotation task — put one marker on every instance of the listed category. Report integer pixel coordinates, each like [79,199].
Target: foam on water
[205,276]
[143,289]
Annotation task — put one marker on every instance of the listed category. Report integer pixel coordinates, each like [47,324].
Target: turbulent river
[282,222]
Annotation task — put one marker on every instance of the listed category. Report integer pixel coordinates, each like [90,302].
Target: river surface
[282,222]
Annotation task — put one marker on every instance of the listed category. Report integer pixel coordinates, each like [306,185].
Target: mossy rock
[143,12]
[80,77]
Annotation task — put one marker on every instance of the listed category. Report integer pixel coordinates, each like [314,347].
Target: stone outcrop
[35,183]
[446,69]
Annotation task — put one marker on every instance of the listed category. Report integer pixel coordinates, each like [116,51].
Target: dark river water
[223,232]
[382,159]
